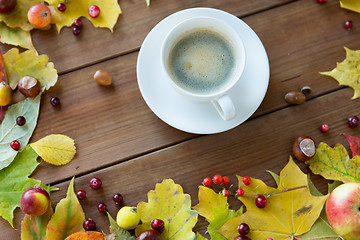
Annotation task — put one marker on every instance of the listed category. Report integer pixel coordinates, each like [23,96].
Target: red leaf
[354,143]
[34,227]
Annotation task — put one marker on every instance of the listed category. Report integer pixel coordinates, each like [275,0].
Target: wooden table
[121,141]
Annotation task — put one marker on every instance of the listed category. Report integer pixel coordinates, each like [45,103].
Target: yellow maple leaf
[18,65]
[335,163]
[168,203]
[348,72]
[109,12]
[353,5]
[56,149]
[288,213]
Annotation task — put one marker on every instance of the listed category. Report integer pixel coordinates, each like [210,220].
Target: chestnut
[295,97]
[29,86]
[103,78]
[304,148]
[149,235]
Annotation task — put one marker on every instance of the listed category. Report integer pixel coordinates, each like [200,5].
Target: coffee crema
[201,61]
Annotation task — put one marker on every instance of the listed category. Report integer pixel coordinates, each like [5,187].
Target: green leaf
[120,233]
[16,37]
[9,130]
[200,237]
[34,227]
[275,176]
[28,63]
[68,217]
[14,181]
[335,163]
[169,203]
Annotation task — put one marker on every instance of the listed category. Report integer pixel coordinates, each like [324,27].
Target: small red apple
[343,210]
[35,201]
[39,15]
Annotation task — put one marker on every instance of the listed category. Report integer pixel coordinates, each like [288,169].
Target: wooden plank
[261,144]
[67,50]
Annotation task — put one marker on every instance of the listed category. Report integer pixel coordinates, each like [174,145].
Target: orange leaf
[89,235]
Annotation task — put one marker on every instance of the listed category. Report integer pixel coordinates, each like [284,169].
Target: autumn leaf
[347,72]
[215,208]
[17,18]
[56,149]
[34,227]
[288,213]
[9,130]
[200,237]
[169,203]
[354,143]
[68,217]
[16,37]
[89,235]
[335,163]
[353,5]
[14,181]
[120,233]
[29,63]
[109,12]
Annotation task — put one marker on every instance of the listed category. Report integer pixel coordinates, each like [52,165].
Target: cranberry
[207,182]
[217,179]
[81,194]
[95,183]
[101,207]
[348,25]
[324,128]
[240,192]
[321,1]
[225,180]
[246,180]
[260,201]
[242,237]
[353,121]
[15,145]
[89,224]
[77,22]
[76,31]
[55,101]
[20,121]
[157,225]
[118,198]
[243,229]
[94,11]
[61,7]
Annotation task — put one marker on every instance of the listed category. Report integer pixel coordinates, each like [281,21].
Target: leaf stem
[277,192]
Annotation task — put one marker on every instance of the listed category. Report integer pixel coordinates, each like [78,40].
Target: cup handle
[225,107]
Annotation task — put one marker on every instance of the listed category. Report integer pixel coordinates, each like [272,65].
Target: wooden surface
[122,142]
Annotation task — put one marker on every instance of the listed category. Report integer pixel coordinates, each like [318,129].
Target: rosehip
[225,180]
[207,182]
[240,192]
[246,180]
[217,179]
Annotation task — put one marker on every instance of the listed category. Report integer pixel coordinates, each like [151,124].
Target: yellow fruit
[5,94]
[128,218]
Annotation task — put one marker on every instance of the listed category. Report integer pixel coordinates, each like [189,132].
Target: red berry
[348,25]
[243,229]
[269,239]
[242,237]
[260,201]
[225,192]
[76,31]
[225,180]
[20,121]
[95,183]
[353,121]
[15,145]
[118,198]
[101,207]
[61,7]
[81,194]
[89,224]
[157,225]
[77,22]
[321,1]
[94,11]
[217,179]
[207,182]
[55,101]
[240,192]
[246,180]
[324,128]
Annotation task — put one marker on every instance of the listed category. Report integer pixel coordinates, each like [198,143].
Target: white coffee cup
[204,58]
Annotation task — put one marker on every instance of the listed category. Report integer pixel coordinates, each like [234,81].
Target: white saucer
[196,116]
